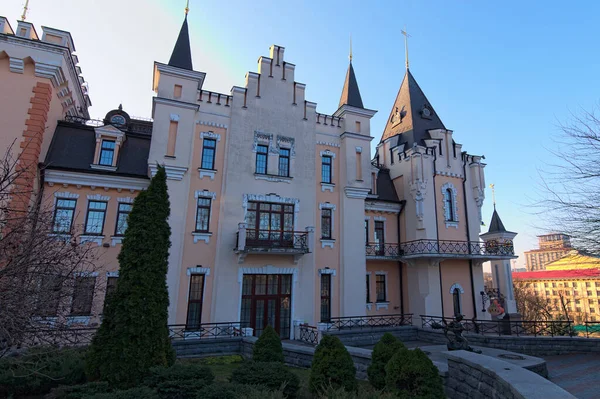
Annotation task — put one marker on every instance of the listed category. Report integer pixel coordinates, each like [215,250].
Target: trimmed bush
[332,366]
[133,393]
[180,372]
[363,393]
[78,391]
[383,351]
[134,336]
[410,374]
[268,347]
[272,376]
[226,390]
[39,370]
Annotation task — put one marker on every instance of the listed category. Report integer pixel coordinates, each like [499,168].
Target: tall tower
[500,241]
[174,111]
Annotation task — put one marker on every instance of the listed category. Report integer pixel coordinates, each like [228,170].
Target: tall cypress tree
[134,335]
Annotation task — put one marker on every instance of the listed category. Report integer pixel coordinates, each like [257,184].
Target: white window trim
[91,238]
[65,194]
[112,274]
[328,186]
[450,223]
[270,269]
[273,198]
[328,242]
[125,200]
[198,270]
[207,172]
[78,320]
[210,135]
[114,240]
[457,285]
[212,196]
[382,305]
[333,273]
[98,197]
[460,300]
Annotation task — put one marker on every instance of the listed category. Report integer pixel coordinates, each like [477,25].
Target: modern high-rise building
[280,213]
[551,247]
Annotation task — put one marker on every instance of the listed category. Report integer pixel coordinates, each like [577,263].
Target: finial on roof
[24,16]
[492,186]
[187,7]
[120,107]
[350,56]
[406,36]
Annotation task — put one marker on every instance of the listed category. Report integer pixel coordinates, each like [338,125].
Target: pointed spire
[182,53]
[412,115]
[496,225]
[350,92]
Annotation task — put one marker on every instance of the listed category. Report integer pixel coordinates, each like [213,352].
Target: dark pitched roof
[385,187]
[412,115]
[350,92]
[73,146]
[182,53]
[496,225]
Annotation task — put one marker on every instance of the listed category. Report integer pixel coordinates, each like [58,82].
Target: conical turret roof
[182,53]
[350,92]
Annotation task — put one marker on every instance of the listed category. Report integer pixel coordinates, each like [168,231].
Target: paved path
[578,374]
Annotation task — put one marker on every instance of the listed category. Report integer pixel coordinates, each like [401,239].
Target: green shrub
[133,393]
[363,393]
[226,390]
[410,374]
[41,369]
[185,389]
[383,351]
[332,366]
[78,391]
[180,372]
[271,375]
[268,347]
[221,360]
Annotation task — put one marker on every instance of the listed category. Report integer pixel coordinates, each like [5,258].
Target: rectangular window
[589,293]
[47,304]
[588,284]
[592,310]
[326,223]
[107,153]
[270,223]
[203,215]
[326,169]
[194,314]
[122,214]
[368,288]
[597,284]
[548,293]
[111,286]
[172,139]
[83,294]
[208,154]
[262,155]
[284,162]
[367,232]
[554,292]
[325,298]
[553,285]
[380,288]
[357,126]
[177,91]
[94,223]
[359,165]
[63,215]
[379,237]
[546,285]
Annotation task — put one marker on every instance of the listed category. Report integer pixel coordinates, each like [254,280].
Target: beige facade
[280,214]
[551,247]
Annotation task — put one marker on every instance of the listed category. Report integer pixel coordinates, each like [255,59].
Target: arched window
[450,211]
[456,301]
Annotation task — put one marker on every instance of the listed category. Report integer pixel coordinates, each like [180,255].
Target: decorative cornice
[198,270]
[455,286]
[327,205]
[277,179]
[327,153]
[327,271]
[356,192]
[173,172]
[449,174]
[356,136]
[16,65]
[385,207]
[52,72]
[205,194]
[109,131]
[268,269]
[213,124]
[98,197]
[210,135]
[89,179]
[125,200]
[174,117]
[175,103]
[112,274]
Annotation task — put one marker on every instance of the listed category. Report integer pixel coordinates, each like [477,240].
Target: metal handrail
[592,327]
[277,239]
[360,322]
[309,334]
[205,331]
[440,247]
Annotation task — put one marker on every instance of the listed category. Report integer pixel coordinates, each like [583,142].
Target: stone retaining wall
[207,347]
[534,346]
[473,376]
[370,336]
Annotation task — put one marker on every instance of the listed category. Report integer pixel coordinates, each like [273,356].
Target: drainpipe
[437,229]
[465,157]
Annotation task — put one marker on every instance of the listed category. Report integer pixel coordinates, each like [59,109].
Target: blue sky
[500,74]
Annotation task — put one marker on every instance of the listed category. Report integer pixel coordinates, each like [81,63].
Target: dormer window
[107,153]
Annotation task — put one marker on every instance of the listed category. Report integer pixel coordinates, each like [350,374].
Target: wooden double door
[267,300]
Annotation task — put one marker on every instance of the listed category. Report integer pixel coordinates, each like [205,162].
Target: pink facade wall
[457,272]
[458,233]
[392,272]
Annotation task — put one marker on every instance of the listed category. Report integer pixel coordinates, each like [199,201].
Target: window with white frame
[107,152]
[326,169]
[203,214]
[284,162]
[326,226]
[450,204]
[64,211]
[83,295]
[96,214]
[123,211]
[381,287]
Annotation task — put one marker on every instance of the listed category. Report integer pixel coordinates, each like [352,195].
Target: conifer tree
[134,335]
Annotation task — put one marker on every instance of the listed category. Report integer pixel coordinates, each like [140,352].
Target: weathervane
[492,186]
[406,36]
[24,16]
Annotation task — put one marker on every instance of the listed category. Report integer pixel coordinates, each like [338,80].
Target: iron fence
[591,328]
[358,322]
[59,336]
[309,334]
[505,327]
[271,239]
[383,250]
[448,247]
[205,331]
[84,121]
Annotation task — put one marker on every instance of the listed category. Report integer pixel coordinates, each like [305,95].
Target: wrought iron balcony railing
[361,322]
[265,240]
[445,248]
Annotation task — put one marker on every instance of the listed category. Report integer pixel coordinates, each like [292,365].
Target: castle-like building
[280,214]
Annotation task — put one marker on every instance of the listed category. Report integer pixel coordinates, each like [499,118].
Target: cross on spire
[492,186]
[350,56]
[24,16]
[187,7]
[406,36]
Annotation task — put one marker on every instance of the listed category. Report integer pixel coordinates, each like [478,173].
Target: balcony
[271,242]
[444,249]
